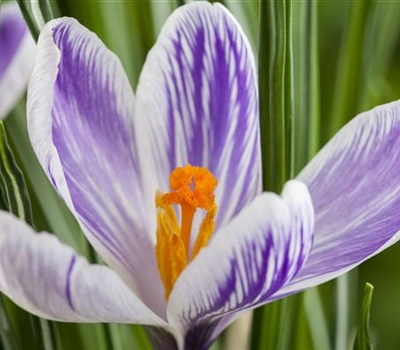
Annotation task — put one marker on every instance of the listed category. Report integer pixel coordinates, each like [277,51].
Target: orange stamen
[192,188]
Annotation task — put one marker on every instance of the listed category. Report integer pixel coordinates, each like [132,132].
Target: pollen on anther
[192,185]
[192,188]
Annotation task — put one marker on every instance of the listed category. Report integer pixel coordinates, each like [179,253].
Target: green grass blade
[12,182]
[346,97]
[32,15]
[307,113]
[289,92]
[381,45]
[46,10]
[346,301]
[316,319]
[271,63]
[48,334]
[363,339]
[7,336]
[272,323]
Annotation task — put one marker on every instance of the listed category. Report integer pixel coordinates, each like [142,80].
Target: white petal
[245,263]
[48,279]
[354,183]
[197,103]
[80,113]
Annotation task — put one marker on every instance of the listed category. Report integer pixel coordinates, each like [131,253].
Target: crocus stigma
[192,188]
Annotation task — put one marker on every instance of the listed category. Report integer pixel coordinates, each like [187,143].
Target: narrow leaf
[306,74]
[272,49]
[7,336]
[46,10]
[363,339]
[274,322]
[32,16]
[289,92]
[346,99]
[12,182]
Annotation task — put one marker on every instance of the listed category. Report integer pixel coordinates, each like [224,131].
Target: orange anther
[192,187]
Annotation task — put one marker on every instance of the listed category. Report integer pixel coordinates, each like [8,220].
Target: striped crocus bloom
[166,185]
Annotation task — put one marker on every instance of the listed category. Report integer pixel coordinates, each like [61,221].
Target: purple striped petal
[248,261]
[355,187]
[197,104]
[17,49]
[80,112]
[48,279]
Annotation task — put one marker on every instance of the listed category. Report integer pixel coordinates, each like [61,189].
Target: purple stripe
[68,285]
[245,97]
[199,336]
[92,131]
[254,285]
[248,276]
[214,52]
[12,31]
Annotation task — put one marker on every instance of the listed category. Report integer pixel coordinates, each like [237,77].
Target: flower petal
[16,56]
[48,279]
[197,103]
[354,183]
[249,260]
[80,110]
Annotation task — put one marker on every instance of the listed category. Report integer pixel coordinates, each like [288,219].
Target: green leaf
[272,51]
[46,10]
[12,183]
[36,13]
[380,46]
[32,16]
[363,339]
[307,86]
[7,336]
[316,319]
[273,323]
[350,69]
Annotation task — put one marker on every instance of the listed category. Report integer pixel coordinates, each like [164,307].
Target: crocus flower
[17,52]
[166,186]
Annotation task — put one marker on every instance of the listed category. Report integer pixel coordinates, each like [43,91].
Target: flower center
[192,188]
